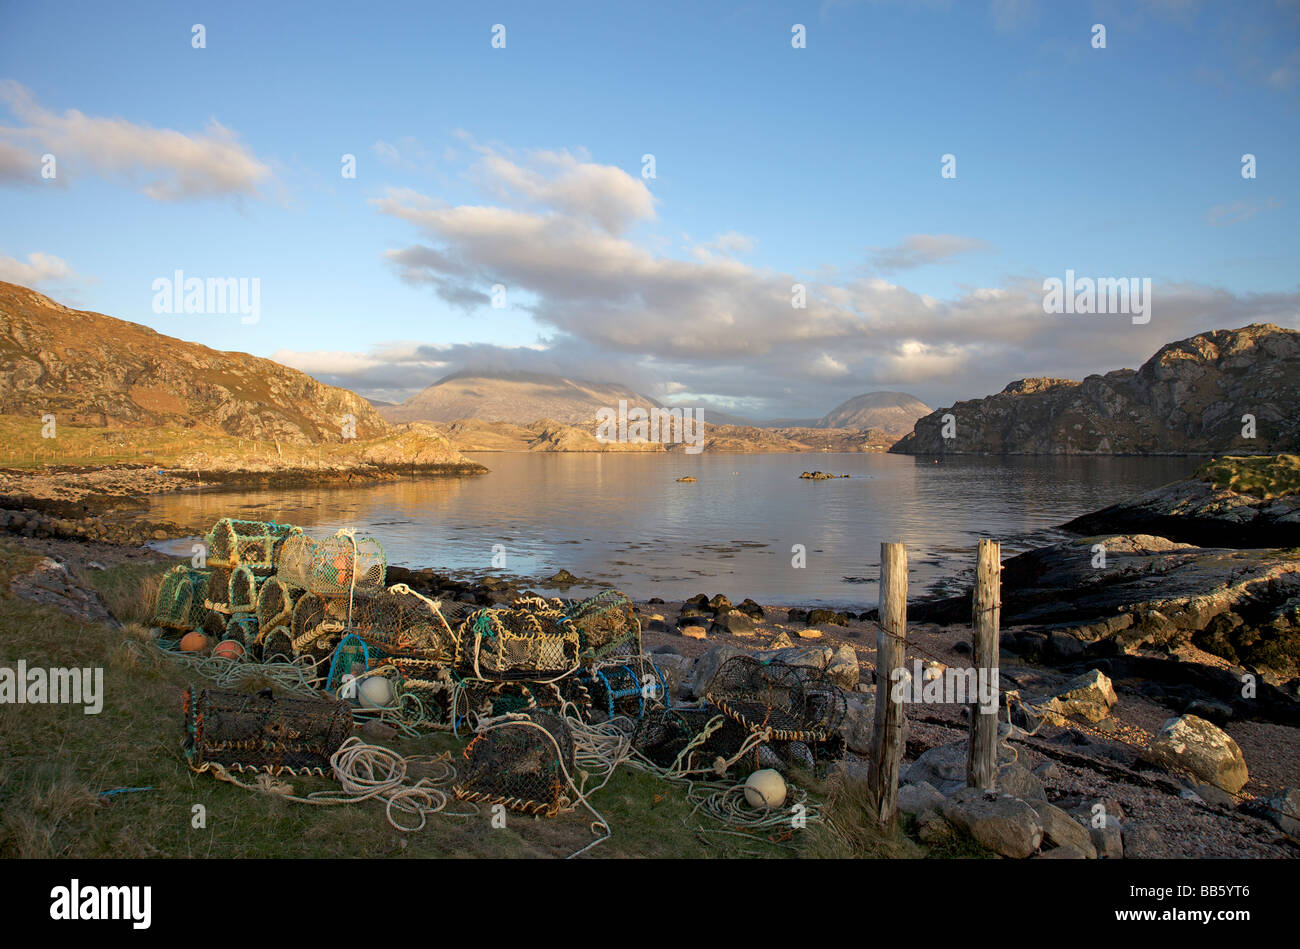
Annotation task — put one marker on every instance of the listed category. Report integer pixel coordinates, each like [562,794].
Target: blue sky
[774,165]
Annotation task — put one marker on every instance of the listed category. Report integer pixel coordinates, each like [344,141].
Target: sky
[630,192]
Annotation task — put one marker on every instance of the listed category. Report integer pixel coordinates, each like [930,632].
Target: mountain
[90,369]
[520,398]
[550,435]
[894,413]
[1190,397]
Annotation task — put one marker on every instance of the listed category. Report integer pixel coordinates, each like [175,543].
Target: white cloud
[622,309]
[169,165]
[40,269]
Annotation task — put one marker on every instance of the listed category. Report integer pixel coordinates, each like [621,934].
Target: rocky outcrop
[89,369]
[1213,511]
[50,584]
[1110,595]
[1190,397]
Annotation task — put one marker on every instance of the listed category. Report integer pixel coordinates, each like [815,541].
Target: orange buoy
[194,642]
[229,649]
[343,569]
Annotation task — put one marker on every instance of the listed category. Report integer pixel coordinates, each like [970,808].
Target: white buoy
[375,692]
[765,789]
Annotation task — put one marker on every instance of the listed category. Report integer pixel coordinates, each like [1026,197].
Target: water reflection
[625,520]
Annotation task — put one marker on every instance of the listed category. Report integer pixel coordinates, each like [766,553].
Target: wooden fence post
[982,756]
[887,736]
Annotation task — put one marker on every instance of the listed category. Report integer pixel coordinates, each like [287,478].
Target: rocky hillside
[90,369]
[519,398]
[894,413]
[1190,397]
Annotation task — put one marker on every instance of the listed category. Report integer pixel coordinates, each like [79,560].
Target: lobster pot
[416,679]
[243,590]
[334,566]
[351,657]
[262,732]
[663,736]
[797,702]
[277,644]
[275,600]
[241,627]
[422,671]
[217,595]
[516,643]
[315,625]
[179,604]
[522,764]
[233,542]
[410,619]
[606,624]
[629,689]
[310,612]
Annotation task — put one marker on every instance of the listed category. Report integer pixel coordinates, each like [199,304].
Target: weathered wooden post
[982,757]
[887,736]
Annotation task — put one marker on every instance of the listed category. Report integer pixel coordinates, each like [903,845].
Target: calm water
[623,520]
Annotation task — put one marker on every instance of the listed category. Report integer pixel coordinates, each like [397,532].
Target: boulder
[819,616]
[1107,835]
[1089,696]
[999,822]
[933,829]
[1200,748]
[840,663]
[858,722]
[676,670]
[944,766]
[1018,781]
[1061,830]
[1067,853]
[707,664]
[733,622]
[917,799]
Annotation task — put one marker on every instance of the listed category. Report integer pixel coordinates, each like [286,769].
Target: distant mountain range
[520,398]
[523,398]
[894,413]
[1221,391]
